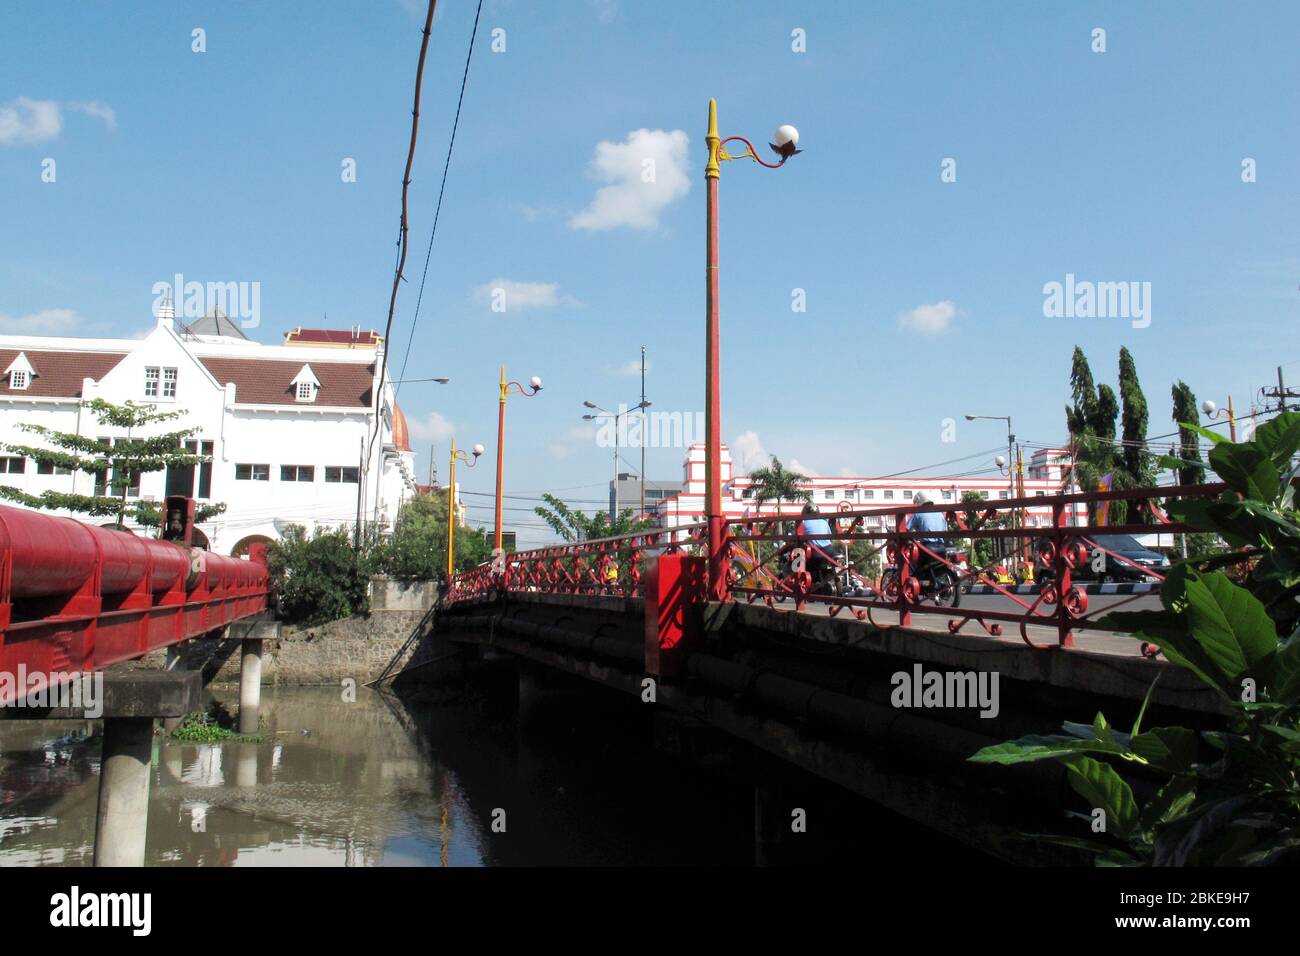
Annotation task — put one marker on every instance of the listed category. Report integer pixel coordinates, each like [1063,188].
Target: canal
[452,780]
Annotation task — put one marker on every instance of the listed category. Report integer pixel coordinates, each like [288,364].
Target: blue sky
[1117,166]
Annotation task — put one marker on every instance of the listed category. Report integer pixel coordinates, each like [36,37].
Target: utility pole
[433,467]
[361,469]
[643,424]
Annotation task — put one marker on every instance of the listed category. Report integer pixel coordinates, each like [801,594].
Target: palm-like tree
[777,483]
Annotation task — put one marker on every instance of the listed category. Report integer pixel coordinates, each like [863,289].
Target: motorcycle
[827,577]
[932,581]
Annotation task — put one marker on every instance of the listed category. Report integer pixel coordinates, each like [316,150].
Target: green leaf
[1101,786]
[1212,436]
[1035,747]
[1248,470]
[1170,802]
[1286,675]
[1279,439]
[1146,700]
[1171,749]
[1168,631]
[1231,625]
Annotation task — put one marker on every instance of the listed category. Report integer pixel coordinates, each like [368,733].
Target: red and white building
[1045,471]
[288,427]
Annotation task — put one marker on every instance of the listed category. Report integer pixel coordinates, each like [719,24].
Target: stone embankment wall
[357,647]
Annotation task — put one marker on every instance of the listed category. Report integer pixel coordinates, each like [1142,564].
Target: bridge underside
[815,692]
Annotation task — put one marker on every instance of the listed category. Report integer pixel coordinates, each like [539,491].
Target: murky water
[377,782]
[384,781]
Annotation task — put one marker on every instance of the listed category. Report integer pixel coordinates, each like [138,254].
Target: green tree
[985,552]
[318,578]
[119,462]
[417,548]
[1186,414]
[1091,423]
[774,482]
[573,525]
[1136,458]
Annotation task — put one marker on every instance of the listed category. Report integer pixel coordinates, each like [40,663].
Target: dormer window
[305,385]
[20,373]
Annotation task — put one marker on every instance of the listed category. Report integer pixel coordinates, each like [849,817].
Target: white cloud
[796,465]
[434,427]
[748,453]
[97,110]
[645,172]
[568,442]
[928,319]
[26,120]
[508,295]
[630,369]
[45,322]
[606,10]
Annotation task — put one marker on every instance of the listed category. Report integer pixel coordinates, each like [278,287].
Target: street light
[440,381]
[643,404]
[1213,411]
[785,144]
[451,500]
[535,384]
[1015,473]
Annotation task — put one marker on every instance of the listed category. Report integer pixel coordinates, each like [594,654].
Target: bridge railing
[599,566]
[890,570]
[774,564]
[76,598]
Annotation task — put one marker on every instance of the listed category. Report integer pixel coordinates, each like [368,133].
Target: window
[49,468]
[297,473]
[13,466]
[18,379]
[850,496]
[151,376]
[336,474]
[868,495]
[252,472]
[829,494]
[889,495]
[1040,494]
[205,472]
[747,493]
[1004,494]
[169,383]
[305,391]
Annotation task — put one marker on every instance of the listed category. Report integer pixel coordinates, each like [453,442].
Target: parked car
[1123,545]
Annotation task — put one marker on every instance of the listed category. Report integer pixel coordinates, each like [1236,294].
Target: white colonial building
[288,427]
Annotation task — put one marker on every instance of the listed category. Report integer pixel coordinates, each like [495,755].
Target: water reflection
[465,781]
[332,784]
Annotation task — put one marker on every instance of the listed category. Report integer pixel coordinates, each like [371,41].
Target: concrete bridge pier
[172,663]
[131,702]
[251,635]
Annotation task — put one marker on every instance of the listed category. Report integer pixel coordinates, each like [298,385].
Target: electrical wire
[441,189]
[404,238]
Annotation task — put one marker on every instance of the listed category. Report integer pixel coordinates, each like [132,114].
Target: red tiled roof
[58,374]
[263,382]
[331,337]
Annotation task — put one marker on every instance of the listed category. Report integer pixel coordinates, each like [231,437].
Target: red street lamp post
[785,146]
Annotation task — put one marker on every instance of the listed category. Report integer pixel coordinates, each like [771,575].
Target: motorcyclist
[815,534]
[928,521]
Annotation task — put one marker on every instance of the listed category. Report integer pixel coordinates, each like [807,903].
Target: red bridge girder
[77,598]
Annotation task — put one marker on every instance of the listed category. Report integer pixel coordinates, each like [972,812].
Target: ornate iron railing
[770,561]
